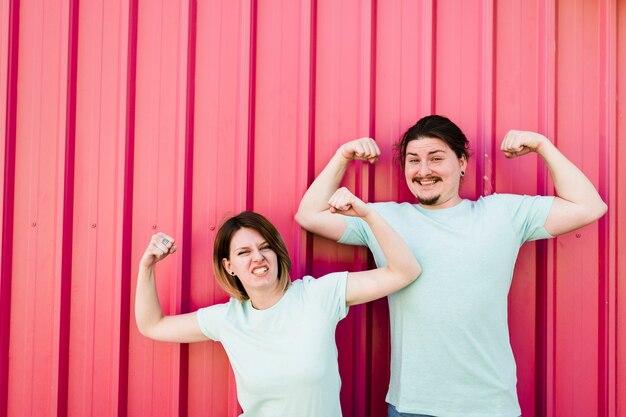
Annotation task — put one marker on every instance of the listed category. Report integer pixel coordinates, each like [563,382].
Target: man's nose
[424,169]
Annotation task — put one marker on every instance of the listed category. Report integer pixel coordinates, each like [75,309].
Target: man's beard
[429,201]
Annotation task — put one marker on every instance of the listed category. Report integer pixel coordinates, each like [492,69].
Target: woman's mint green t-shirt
[284,357]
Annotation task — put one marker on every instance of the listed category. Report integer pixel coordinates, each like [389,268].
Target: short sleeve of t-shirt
[211,319]
[356,232]
[528,214]
[329,292]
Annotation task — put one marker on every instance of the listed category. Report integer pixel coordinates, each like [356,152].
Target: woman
[279,335]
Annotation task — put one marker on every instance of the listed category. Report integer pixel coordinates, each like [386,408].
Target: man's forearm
[315,200]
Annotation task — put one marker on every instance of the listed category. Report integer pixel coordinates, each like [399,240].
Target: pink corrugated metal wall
[122,117]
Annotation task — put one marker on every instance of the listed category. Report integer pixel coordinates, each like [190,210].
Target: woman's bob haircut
[251,220]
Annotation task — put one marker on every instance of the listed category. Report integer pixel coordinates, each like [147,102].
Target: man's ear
[463,162]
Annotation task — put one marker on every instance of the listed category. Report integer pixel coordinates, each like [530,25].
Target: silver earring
[462,173]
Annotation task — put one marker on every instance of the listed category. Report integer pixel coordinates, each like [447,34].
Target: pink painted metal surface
[124,117]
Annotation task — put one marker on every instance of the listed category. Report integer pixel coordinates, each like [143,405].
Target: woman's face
[252,260]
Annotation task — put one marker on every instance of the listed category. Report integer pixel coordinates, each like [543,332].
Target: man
[450,350]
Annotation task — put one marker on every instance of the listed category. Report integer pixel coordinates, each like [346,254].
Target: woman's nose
[257,255]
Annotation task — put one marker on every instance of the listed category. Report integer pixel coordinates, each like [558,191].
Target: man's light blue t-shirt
[284,357]
[450,350]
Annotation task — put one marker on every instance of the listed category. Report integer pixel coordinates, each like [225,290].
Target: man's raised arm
[314,214]
[577,201]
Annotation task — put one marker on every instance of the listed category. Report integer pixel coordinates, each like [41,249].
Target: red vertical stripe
[251,105]
[608,136]
[310,162]
[186,229]
[484,155]
[545,334]
[304,130]
[368,360]
[8,199]
[618,200]
[64,281]
[127,207]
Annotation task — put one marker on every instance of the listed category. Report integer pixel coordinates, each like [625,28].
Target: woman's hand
[160,246]
[344,202]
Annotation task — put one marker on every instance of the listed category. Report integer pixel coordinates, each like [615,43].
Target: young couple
[450,351]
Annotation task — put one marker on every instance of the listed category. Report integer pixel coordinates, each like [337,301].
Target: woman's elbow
[416,273]
[411,274]
[147,329]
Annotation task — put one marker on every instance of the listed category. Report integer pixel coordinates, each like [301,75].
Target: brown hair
[221,249]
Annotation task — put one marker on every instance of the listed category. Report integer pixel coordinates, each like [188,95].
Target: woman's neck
[263,299]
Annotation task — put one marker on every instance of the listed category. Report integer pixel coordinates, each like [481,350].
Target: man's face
[433,172]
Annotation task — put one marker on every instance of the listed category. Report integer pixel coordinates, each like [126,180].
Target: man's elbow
[299,217]
[330,226]
[144,331]
[593,212]
[304,219]
[598,210]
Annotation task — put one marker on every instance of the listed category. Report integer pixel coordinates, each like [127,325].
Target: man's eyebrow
[429,153]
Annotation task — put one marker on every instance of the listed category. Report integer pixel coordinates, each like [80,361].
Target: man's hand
[363,149]
[518,142]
